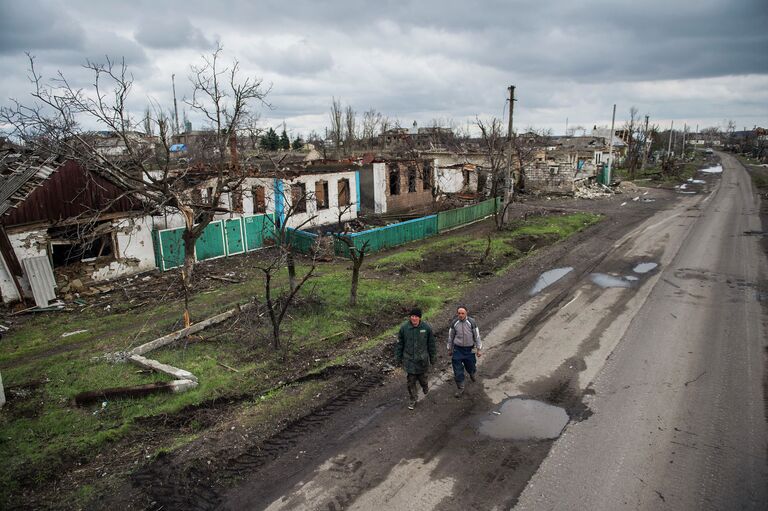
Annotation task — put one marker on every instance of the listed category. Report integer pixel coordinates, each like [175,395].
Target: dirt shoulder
[237,459]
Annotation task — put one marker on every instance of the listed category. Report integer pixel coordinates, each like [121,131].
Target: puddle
[605,280]
[524,419]
[630,277]
[717,169]
[644,267]
[549,277]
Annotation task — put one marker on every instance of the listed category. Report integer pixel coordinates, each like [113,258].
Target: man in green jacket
[416,351]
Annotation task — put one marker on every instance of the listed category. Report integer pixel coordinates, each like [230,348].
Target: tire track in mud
[197,486]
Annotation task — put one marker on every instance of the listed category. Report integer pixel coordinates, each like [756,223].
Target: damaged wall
[134,254]
[405,189]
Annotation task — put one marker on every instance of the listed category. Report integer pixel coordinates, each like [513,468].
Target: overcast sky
[695,61]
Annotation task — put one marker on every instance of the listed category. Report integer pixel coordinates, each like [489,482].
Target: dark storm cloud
[169,32]
[29,26]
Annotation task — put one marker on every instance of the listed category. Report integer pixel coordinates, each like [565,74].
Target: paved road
[679,417]
[670,367]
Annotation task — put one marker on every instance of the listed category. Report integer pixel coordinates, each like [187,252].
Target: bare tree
[372,120]
[283,256]
[350,127]
[631,130]
[337,127]
[357,255]
[493,143]
[50,126]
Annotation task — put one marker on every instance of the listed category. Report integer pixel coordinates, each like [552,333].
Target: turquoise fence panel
[210,244]
[301,241]
[171,248]
[455,217]
[233,228]
[390,236]
[257,229]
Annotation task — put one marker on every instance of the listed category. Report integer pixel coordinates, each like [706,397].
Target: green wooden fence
[390,235]
[219,239]
[460,216]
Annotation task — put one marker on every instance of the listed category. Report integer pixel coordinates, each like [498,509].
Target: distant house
[566,160]
[61,223]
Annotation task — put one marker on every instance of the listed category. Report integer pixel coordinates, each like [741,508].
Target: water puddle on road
[524,419]
[630,277]
[644,267]
[549,277]
[604,280]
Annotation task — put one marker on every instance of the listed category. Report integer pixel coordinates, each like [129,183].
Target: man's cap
[415,312]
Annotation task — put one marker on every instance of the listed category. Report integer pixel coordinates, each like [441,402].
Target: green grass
[42,430]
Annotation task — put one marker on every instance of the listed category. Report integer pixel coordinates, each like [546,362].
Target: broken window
[74,244]
[209,197]
[321,194]
[426,176]
[259,199]
[299,198]
[343,192]
[237,200]
[465,178]
[411,179]
[394,181]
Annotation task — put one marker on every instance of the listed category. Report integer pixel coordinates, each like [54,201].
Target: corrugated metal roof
[41,280]
[20,182]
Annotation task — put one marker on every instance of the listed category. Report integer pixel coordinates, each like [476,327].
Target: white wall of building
[314,217]
[450,180]
[379,188]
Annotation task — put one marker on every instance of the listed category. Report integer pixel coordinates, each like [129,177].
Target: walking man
[463,336]
[416,351]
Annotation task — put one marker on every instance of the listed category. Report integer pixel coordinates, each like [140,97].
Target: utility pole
[566,126]
[645,146]
[175,106]
[610,147]
[509,188]
[685,128]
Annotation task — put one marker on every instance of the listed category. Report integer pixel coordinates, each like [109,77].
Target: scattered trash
[623,203]
[717,169]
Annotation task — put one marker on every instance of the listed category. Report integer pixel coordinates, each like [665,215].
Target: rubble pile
[587,190]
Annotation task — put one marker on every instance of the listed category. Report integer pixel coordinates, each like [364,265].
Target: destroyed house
[398,186]
[64,226]
[303,195]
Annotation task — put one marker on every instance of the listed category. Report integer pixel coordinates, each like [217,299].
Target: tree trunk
[186,276]
[355,278]
[291,263]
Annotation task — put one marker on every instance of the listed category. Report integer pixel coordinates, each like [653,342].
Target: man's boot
[472,376]
[459,390]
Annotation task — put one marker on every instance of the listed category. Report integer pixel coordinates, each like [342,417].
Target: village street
[662,375]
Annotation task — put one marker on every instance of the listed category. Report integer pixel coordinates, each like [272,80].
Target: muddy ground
[233,462]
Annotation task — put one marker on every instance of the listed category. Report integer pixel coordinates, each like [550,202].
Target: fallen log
[184,332]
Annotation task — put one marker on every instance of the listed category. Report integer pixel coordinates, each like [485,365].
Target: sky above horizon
[698,62]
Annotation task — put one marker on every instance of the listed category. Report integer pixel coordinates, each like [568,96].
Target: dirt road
[675,417]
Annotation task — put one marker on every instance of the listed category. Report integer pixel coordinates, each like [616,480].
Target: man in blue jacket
[416,351]
[463,336]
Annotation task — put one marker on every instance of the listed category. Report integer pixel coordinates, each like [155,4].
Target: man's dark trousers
[463,358]
[412,379]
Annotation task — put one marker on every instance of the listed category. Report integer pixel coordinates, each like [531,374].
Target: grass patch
[41,429]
